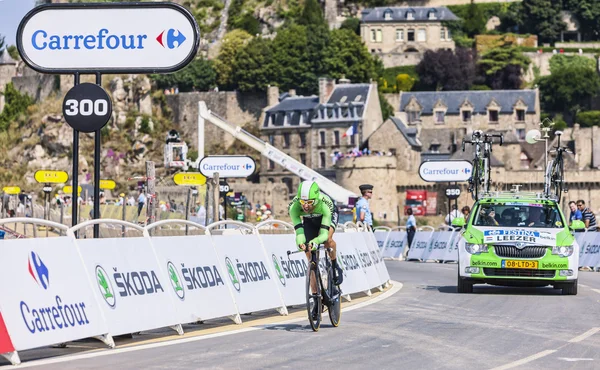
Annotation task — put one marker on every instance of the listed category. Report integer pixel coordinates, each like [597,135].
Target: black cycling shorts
[312,225]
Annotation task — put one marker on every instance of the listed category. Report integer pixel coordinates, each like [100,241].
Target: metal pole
[150,193]
[75,195]
[124,213]
[206,203]
[215,184]
[187,208]
[200,136]
[97,137]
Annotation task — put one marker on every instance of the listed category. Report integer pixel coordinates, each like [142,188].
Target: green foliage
[543,18]
[192,155]
[231,44]
[311,15]
[463,41]
[568,89]
[480,87]
[15,106]
[404,82]
[249,24]
[388,77]
[352,24]
[386,109]
[290,58]
[497,59]
[559,61]
[145,125]
[587,13]
[199,75]
[254,66]
[474,21]
[13,52]
[346,56]
[589,118]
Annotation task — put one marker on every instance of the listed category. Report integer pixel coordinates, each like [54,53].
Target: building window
[289,183]
[271,165]
[442,34]
[393,151]
[493,116]
[387,15]
[434,148]
[466,116]
[410,15]
[422,35]
[302,139]
[431,15]
[410,35]
[399,35]
[336,138]
[414,116]
[521,134]
[352,139]
[322,162]
[379,36]
[322,141]
[448,35]
[524,161]
[303,158]
[440,117]
[272,139]
[520,115]
[373,35]
[286,140]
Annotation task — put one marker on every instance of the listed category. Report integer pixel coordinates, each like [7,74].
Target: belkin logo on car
[41,40]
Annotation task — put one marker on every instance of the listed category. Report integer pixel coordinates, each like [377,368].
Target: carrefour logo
[175,280]
[466,170]
[38,270]
[106,289]
[103,39]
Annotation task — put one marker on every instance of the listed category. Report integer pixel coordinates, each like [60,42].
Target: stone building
[312,128]
[400,36]
[8,69]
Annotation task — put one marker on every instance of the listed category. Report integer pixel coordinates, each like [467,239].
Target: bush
[480,87]
[352,24]
[404,82]
[589,118]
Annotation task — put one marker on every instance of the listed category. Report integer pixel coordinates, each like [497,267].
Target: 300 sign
[87,107]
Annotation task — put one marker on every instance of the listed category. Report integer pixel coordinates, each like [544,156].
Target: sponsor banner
[46,295]
[195,277]
[132,288]
[395,245]
[497,235]
[437,245]
[453,245]
[376,257]
[419,245]
[367,263]
[382,237]
[355,280]
[249,272]
[589,250]
[289,273]
[5,342]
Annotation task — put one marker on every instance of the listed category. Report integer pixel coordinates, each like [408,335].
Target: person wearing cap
[363,212]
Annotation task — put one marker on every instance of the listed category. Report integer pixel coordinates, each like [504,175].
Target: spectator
[575,213]
[587,216]
[466,211]
[411,226]
[141,202]
[452,215]
[363,211]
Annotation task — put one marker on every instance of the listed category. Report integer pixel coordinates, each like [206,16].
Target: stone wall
[38,86]
[276,194]
[542,62]
[7,72]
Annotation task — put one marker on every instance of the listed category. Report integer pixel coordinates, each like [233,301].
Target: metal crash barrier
[70,286]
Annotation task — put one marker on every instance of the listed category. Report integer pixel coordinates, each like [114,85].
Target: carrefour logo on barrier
[248,272]
[38,270]
[106,289]
[174,38]
[175,280]
[50,316]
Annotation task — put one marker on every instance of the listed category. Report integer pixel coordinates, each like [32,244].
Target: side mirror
[577,225]
[460,222]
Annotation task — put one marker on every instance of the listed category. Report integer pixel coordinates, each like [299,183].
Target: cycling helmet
[309,191]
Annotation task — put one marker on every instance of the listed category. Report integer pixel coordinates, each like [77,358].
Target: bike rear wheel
[556,176]
[335,303]
[313,300]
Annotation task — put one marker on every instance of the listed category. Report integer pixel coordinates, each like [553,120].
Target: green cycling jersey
[323,208]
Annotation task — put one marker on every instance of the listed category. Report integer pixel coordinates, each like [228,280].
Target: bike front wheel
[313,301]
[557,176]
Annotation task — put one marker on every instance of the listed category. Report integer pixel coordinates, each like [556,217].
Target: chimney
[326,87]
[292,93]
[272,96]
[343,80]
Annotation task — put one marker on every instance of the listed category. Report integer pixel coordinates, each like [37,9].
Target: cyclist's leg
[311,231]
[330,243]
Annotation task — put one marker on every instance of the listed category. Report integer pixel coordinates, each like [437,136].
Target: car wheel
[463,286]
[570,289]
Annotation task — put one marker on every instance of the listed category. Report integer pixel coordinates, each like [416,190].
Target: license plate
[510,264]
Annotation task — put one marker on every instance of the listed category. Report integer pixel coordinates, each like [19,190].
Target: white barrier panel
[354,278]
[46,293]
[453,245]
[419,245]
[436,248]
[589,250]
[364,259]
[133,290]
[249,272]
[395,245]
[375,254]
[196,277]
[289,272]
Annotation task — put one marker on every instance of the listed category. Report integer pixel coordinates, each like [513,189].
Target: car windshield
[507,214]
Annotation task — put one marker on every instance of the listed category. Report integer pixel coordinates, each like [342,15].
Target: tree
[352,24]
[386,109]
[588,15]
[502,67]
[346,55]
[15,105]
[290,58]
[254,66]
[543,18]
[232,43]
[312,14]
[404,82]
[198,75]
[13,52]
[447,70]
[568,89]
[559,61]
[249,24]
[475,20]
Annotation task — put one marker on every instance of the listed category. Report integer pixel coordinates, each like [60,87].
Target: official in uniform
[363,212]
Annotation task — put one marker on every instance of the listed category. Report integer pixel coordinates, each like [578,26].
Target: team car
[517,239]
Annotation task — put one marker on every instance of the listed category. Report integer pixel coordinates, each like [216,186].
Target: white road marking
[525,360]
[568,359]
[584,286]
[585,335]
[394,289]
[596,290]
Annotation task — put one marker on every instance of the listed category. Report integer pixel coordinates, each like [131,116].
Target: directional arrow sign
[51,177]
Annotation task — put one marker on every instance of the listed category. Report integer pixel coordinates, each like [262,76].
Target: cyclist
[315,218]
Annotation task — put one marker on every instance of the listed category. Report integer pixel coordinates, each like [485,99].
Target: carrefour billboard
[108,38]
[446,171]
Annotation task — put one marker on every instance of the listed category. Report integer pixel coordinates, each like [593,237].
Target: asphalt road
[424,325]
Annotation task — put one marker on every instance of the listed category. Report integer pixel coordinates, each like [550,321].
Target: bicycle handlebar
[318,248]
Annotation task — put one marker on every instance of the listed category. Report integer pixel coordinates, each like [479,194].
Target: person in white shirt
[452,215]
[141,202]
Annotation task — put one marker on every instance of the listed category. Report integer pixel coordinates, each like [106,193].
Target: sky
[11,13]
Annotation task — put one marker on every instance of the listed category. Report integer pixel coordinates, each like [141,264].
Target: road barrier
[65,288]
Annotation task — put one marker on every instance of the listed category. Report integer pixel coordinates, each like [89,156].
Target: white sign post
[227,166]
[445,171]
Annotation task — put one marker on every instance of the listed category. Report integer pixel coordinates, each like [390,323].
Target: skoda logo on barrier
[38,270]
[106,289]
[232,274]
[175,279]
[278,270]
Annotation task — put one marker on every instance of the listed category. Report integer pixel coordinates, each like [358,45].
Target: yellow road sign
[12,190]
[55,177]
[189,178]
[107,184]
[69,190]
